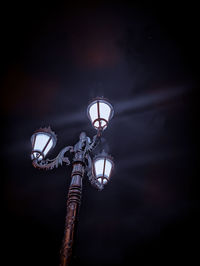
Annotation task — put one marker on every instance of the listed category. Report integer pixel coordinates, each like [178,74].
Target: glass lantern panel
[100,180]
[99,164]
[96,124]
[103,123]
[105,181]
[104,110]
[36,155]
[40,141]
[48,147]
[108,167]
[93,112]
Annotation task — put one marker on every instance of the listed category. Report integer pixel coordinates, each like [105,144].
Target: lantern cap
[99,98]
[104,154]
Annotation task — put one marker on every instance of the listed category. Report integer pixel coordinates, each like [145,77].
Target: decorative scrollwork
[84,146]
[94,144]
[49,164]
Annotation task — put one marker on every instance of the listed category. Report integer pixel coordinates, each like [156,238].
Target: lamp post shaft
[73,204]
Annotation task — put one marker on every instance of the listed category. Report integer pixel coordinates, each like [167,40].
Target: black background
[144,60]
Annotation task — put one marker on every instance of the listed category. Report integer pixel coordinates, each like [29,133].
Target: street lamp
[43,140]
[98,170]
[100,111]
[102,168]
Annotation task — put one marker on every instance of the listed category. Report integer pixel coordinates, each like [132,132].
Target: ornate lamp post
[99,111]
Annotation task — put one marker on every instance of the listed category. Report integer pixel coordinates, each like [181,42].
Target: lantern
[100,111]
[102,168]
[43,140]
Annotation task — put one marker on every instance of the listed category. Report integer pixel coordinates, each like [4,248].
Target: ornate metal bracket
[86,146]
[49,164]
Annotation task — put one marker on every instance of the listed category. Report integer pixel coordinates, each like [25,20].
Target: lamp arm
[91,178]
[49,164]
[96,140]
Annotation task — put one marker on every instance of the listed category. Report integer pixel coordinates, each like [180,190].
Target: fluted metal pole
[73,204]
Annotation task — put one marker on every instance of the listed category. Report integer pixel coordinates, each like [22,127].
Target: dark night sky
[143,59]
